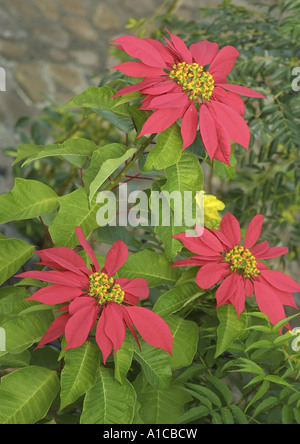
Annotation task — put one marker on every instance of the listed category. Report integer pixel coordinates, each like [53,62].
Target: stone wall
[55,47]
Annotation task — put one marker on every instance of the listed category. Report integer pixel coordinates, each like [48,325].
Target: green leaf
[139,116]
[155,364]
[283,322]
[28,199]
[277,380]
[177,298]
[154,267]
[46,357]
[190,372]
[239,414]
[110,151]
[79,372]
[22,331]
[203,400]
[104,163]
[108,401]
[230,328]
[221,388]
[10,297]
[123,123]
[160,406]
[223,170]
[266,404]
[188,275]
[216,418]
[250,367]
[167,151]
[14,253]
[297,415]
[171,246]
[186,175]
[287,414]
[261,344]
[109,235]
[227,416]
[14,360]
[185,340]
[74,151]
[62,228]
[27,394]
[99,98]
[259,394]
[193,414]
[169,220]
[27,150]
[123,359]
[209,394]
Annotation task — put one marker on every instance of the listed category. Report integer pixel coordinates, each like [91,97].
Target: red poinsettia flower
[238,268]
[93,295]
[189,84]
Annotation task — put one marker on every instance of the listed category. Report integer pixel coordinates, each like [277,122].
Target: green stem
[161,7]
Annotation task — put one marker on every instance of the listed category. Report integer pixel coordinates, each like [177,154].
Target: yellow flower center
[242,261]
[193,80]
[104,290]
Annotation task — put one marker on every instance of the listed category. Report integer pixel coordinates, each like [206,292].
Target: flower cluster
[189,84]
[242,261]
[193,79]
[237,269]
[212,206]
[96,297]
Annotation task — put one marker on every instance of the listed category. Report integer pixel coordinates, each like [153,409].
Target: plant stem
[81,174]
[46,231]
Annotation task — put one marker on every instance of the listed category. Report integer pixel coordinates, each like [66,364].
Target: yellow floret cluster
[102,288]
[193,80]
[242,261]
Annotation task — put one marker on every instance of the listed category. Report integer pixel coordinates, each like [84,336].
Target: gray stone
[86,58]
[49,9]
[81,28]
[13,49]
[66,76]
[58,55]
[9,28]
[105,19]
[51,35]
[30,78]
[142,8]
[24,8]
[76,7]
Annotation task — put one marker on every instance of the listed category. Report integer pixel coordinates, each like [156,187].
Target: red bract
[189,84]
[238,268]
[93,295]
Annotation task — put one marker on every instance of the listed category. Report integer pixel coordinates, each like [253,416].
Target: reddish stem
[130,178]
[81,174]
[46,231]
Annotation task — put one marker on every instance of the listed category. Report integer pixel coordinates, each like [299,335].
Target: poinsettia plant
[135,292]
